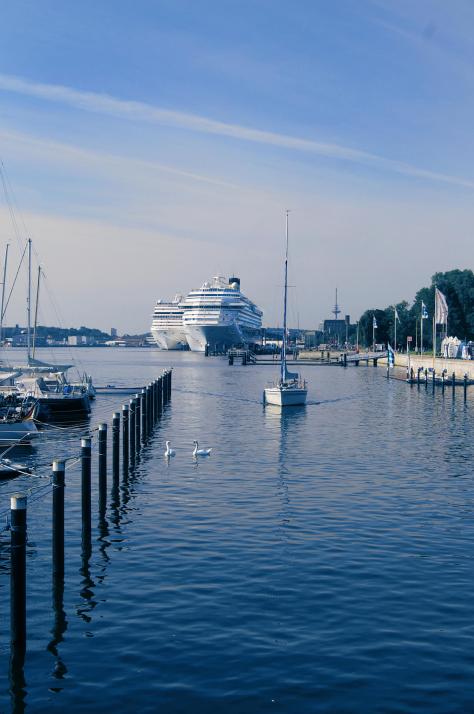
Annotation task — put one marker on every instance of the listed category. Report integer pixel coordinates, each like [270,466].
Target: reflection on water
[18,691]
[58,630]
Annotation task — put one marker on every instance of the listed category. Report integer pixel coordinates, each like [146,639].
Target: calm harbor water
[321,560]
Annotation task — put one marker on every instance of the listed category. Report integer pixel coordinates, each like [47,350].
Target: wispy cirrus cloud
[142,111]
[58,152]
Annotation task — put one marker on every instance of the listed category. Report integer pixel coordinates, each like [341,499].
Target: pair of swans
[197,451]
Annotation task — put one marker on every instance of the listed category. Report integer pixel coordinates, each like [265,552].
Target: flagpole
[395,336]
[373,333]
[421,331]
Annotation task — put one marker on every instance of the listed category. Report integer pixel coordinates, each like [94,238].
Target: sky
[151,144]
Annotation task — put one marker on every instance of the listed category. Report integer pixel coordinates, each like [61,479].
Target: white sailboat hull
[283,396]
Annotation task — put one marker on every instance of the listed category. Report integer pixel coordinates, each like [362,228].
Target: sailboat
[289,389]
[43,386]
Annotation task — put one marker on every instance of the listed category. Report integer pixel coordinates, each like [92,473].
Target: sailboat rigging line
[9,198]
[14,281]
[2,312]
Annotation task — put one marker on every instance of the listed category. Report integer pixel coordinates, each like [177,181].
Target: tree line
[457,286]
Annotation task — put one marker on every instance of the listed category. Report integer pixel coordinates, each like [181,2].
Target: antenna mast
[337,310]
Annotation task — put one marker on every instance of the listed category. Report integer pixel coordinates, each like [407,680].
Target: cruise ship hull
[218,337]
[170,339]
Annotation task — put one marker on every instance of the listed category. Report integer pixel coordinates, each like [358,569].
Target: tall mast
[3,291]
[283,347]
[36,310]
[28,305]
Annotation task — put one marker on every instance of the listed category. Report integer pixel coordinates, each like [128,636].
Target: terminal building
[336,332]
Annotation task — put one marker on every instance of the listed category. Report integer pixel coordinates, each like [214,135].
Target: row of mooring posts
[138,420]
[444,380]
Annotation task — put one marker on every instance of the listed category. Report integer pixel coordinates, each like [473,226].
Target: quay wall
[459,366]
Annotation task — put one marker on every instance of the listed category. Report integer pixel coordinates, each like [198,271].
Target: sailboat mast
[283,346]
[3,291]
[28,306]
[36,310]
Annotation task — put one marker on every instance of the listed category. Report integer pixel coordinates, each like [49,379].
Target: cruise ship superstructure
[219,315]
[167,326]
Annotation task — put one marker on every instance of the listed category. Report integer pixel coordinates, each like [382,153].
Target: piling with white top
[18,503]
[144,414]
[86,452]
[125,441]
[102,448]
[58,478]
[160,394]
[138,422]
[115,446]
[132,412]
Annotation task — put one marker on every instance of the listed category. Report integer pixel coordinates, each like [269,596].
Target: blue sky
[156,143]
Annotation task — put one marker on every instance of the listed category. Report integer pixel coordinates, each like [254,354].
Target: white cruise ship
[219,315]
[167,326]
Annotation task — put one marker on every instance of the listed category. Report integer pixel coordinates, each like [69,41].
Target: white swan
[169,452]
[200,452]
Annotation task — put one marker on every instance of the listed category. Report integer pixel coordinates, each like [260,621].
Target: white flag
[374,323]
[396,315]
[441,308]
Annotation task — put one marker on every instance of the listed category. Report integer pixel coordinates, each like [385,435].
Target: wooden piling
[138,423]
[465,387]
[115,446]
[144,414]
[18,504]
[86,452]
[102,449]
[149,410]
[131,426]
[160,394]
[453,384]
[125,440]
[152,404]
[58,478]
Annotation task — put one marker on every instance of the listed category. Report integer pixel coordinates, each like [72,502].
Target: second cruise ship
[219,315]
[167,326]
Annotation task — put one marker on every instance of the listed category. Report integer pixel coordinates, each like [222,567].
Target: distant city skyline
[154,146]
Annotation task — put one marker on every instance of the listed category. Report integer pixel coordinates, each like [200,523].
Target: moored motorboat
[54,402]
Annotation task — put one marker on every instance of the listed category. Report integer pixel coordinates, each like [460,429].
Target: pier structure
[157,396]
